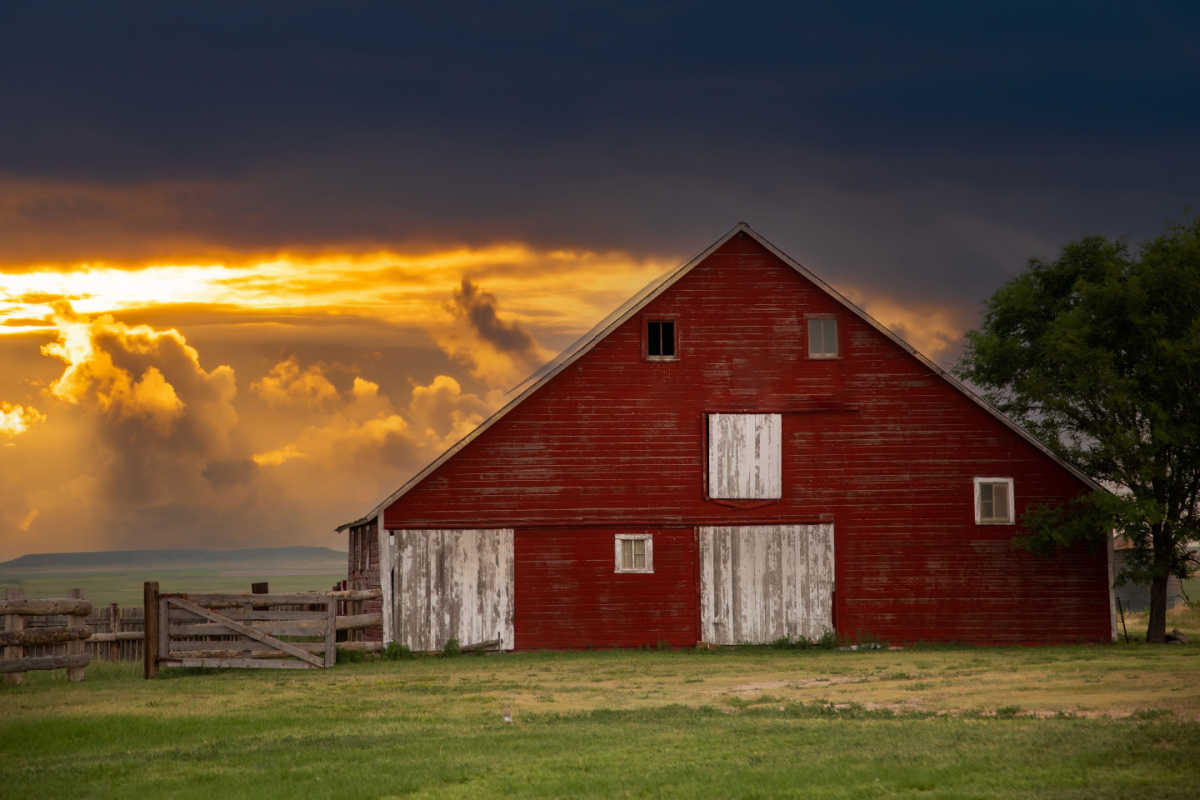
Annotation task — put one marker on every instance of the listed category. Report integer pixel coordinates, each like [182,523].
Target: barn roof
[639,301]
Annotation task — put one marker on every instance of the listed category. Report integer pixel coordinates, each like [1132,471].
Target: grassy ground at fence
[1082,721]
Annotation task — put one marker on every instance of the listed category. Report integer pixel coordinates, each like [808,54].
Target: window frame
[1012,503]
[646,320]
[808,339]
[619,564]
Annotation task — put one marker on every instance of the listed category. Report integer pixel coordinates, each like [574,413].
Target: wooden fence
[58,624]
[280,631]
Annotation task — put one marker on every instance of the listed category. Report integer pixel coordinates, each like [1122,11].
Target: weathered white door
[452,585]
[764,582]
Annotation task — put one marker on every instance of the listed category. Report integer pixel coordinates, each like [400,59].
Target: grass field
[126,586]
[1063,722]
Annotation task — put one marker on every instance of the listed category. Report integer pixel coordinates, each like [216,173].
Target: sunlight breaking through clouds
[560,288]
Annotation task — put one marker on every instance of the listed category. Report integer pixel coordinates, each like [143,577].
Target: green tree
[1098,354]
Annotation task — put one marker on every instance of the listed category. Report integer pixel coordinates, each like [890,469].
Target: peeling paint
[764,582]
[453,584]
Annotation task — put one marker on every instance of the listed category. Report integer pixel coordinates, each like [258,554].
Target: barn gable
[639,301]
[739,396]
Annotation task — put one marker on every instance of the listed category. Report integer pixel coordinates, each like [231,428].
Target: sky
[261,262]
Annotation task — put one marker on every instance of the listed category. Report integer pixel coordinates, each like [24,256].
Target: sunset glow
[565,288]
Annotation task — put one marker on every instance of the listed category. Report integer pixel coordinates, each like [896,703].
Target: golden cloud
[408,289]
[933,329]
[16,419]
[92,373]
[286,384]
[363,419]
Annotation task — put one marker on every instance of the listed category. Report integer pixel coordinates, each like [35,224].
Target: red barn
[737,454]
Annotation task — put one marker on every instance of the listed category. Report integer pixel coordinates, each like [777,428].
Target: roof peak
[646,295]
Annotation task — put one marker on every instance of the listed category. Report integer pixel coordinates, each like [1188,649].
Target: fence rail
[44,634]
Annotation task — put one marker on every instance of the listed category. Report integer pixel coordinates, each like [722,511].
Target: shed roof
[639,301]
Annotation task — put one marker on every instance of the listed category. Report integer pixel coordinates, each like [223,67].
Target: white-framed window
[745,456]
[822,337]
[994,501]
[634,552]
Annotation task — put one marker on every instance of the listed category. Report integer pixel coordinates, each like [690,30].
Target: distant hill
[256,557]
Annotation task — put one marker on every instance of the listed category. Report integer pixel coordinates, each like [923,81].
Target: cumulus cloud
[287,384]
[16,419]
[498,352]
[364,426]
[161,417]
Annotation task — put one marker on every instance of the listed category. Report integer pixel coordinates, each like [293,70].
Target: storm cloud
[262,261]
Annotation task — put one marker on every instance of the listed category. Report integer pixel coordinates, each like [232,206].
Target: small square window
[994,501]
[822,338]
[634,552]
[661,338]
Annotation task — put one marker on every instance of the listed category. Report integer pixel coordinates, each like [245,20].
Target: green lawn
[1099,721]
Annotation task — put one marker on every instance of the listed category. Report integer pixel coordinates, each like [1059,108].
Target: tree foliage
[1098,354]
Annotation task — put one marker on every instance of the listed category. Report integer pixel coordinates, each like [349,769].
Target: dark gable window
[660,340]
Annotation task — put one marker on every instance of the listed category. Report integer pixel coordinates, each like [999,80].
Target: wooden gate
[760,583]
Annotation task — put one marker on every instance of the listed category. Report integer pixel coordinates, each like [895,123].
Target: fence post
[14,622]
[114,625]
[75,647]
[150,642]
[331,608]
[358,634]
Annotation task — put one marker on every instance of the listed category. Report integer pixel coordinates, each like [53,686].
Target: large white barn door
[764,582]
[452,585]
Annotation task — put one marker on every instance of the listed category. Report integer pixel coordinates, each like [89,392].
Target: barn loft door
[762,583]
[453,585]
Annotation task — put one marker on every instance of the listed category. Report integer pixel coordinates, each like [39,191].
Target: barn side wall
[569,595]
[362,564]
[872,442]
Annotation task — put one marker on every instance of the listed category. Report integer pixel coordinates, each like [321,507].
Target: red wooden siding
[568,595]
[872,441]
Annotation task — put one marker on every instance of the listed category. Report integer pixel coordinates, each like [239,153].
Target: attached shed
[736,454]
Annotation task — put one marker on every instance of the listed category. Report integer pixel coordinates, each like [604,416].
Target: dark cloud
[873,141]
[479,307]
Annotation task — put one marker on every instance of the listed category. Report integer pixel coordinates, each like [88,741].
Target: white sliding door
[760,583]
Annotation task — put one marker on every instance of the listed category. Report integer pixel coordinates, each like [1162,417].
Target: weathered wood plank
[453,584]
[28,638]
[245,630]
[356,594]
[31,663]
[237,663]
[764,582]
[14,624]
[241,646]
[75,607]
[233,600]
[745,456]
[275,628]
[122,636]
[249,615]
[75,647]
[151,649]
[329,651]
[359,621]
